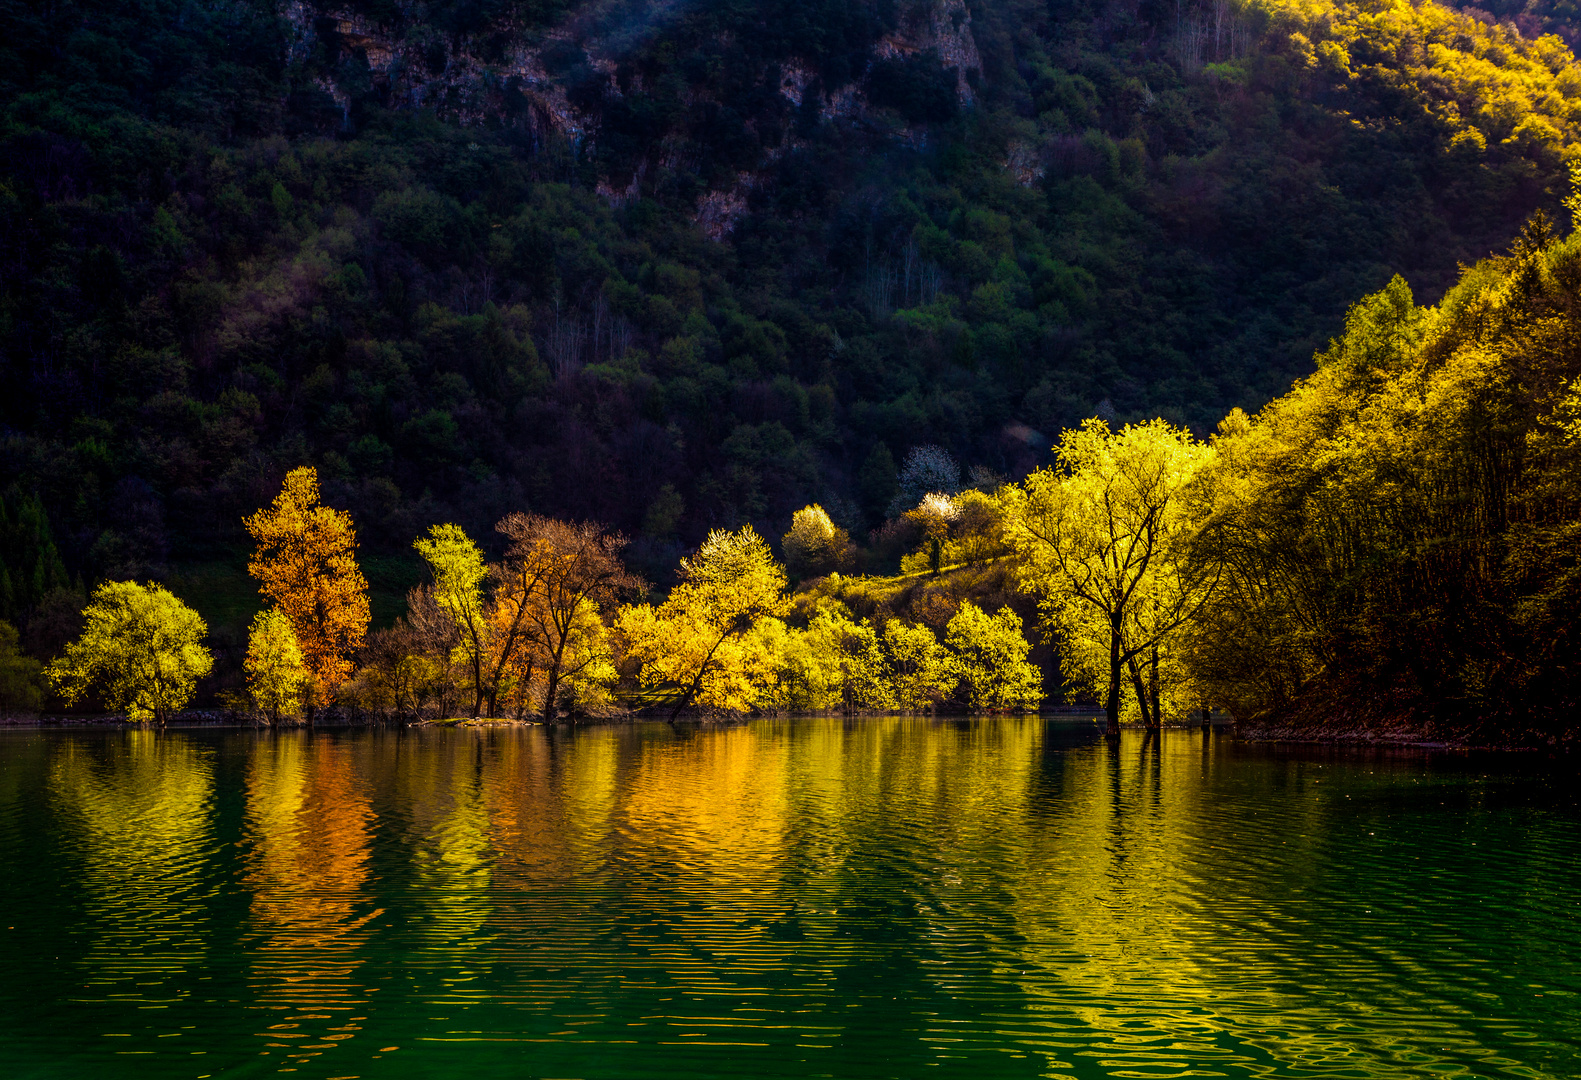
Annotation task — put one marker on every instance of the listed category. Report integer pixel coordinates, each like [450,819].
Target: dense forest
[674,268]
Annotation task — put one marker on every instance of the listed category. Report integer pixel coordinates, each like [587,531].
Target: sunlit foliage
[457,566]
[921,673]
[306,564]
[277,676]
[549,592]
[815,544]
[988,654]
[1400,531]
[1105,541]
[141,652]
[697,643]
[839,664]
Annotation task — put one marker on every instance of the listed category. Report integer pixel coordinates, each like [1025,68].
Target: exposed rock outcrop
[519,75]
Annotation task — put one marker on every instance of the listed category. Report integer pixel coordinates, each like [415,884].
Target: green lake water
[793,898]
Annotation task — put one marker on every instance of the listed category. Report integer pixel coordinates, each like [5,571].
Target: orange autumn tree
[306,563]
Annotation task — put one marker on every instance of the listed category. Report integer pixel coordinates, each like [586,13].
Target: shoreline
[200,719]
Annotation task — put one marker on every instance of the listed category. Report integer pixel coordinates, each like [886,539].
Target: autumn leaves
[528,632]
[142,650]
[547,631]
[557,626]
[300,651]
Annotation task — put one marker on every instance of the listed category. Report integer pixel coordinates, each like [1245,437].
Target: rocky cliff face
[563,81]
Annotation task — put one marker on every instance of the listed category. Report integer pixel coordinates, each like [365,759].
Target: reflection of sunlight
[309,822]
[794,897]
[1153,934]
[142,810]
[444,791]
[715,806]
[454,860]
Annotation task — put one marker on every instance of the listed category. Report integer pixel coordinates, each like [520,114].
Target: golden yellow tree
[815,544]
[920,669]
[306,564]
[141,648]
[988,653]
[836,663]
[277,679]
[698,641]
[457,565]
[1105,541]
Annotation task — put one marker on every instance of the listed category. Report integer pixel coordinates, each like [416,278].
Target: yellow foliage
[700,641]
[306,564]
[815,544]
[1105,546]
[920,672]
[989,656]
[276,676]
[457,566]
[141,647]
[1467,75]
[837,663]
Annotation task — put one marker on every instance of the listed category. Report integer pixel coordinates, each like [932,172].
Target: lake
[900,897]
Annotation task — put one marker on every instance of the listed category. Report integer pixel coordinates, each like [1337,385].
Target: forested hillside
[675,266]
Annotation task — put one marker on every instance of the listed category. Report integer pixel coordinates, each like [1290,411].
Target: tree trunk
[477,675]
[1137,685]
[1111,706]
[551,690]
[1152,689]
[697,682]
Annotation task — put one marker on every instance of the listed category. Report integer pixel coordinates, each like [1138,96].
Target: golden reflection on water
[450,837]
[309,823]
[863,898]
[1128,909]
[141,810]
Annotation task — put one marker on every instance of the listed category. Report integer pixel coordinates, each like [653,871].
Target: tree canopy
[277,677]
[1105,545]
[235,253]
[141,652]
[306,564]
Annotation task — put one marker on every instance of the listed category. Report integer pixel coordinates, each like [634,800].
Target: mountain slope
[676,265]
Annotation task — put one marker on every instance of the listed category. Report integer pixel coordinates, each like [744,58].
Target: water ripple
[901,897]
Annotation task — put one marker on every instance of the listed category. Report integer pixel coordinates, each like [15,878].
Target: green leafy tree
[277,677]
[989,656]
[877,482]
[30,564]
[921,674]
[141,648]
[1401,533]
[458,569]
[1105,544]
